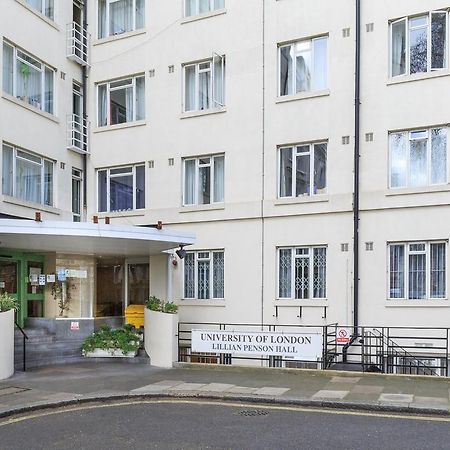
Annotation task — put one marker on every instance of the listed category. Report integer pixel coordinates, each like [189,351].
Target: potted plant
[8,306]
[161,332]
[108,343]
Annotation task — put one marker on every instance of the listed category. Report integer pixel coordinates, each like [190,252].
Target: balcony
[77,44]
[77,134]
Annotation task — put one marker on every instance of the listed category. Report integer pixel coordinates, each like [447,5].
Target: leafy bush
[155,304]
[8,302]
[125,339]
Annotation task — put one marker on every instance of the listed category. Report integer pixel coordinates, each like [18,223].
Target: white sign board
[74,326]
[299,346]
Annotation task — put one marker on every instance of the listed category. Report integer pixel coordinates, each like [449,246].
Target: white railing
[77,44]
[77,133]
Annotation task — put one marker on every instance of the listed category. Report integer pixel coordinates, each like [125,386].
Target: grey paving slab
[217,387]
[10,390]
[328,394]
[151,388]
[344,380]
[431,401]
[168,383]
[396,398]
[188,387]
[272,391]
[366,389]
[242,390]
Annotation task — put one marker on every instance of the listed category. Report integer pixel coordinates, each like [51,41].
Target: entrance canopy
[88,238]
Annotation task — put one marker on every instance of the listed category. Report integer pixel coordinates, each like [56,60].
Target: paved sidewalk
[59,385]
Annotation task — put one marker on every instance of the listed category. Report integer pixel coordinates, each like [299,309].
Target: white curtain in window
[48,183]
[190,8]
[286,70]
[286,172]
[218,4]
[8,58]
[398,144]
[320,168]
[28,181]
[129,104]
[102,106]
[320,63]
[7,171]
[36,4]
[140,98]
[102,27]
[189,182]
[203,6]
[303,67]
[189,90]
[398,48]
[28,84]
[418,163]
[140,14]
[219,178]
[48,105]
[204,81]
[120,16]
[219,81]
[49,9]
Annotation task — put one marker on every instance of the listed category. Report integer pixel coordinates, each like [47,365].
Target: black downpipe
[85,116]
[356,171]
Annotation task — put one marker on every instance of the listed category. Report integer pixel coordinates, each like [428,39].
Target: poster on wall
[296,346]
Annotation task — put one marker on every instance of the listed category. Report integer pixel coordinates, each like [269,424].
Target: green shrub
[8,302]
[155,304]
[125,339]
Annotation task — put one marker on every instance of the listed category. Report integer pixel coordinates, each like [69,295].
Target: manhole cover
[253,412]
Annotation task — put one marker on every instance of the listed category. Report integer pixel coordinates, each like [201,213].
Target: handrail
[25,339]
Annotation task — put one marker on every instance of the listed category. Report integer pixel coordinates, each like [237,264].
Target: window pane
[398,48]
[189,275]
[319,272]
[417,276]
[286,71]
[8,56]
[301,281]
[102,19]
[48,183]
[286,172]
[28,181]
[121,106]
[320,63]
[203,273]
[140,14]
[204,90]
[189,89]
[121,193]
[203,6]
[438,40]
[303,175]
[120,16]
[418,46]
[7,181]
[102,191]
[189,182]
[190,7]
[218,275]
[76,196]
[438,269]
[438,156]
[398,143]
[218,4]
[29,84]
[284,273]
[303,67]
[204,185]
[397,271]
[36,4]
[418,163]
[219,81]
[140,187]
[102,108]
[48,105]
[140,98]
[49,9]
[219,178]
[320,168]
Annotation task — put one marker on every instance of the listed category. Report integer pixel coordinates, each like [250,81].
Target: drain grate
[253,412]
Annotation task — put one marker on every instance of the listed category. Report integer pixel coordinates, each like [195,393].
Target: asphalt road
[173,424]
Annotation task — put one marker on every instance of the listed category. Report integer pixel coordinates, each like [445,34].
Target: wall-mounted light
[181,252]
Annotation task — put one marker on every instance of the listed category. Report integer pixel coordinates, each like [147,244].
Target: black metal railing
[24,346]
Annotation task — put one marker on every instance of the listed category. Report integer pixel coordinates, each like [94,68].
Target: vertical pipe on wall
[85,116]
[356,168]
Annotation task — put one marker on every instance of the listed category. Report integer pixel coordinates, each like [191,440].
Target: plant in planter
[122,342]
[156,304]
[8,306]
[8,302]
[62,292]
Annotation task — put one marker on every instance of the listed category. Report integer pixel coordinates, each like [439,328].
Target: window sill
[198,208]
[318,198]
[128,213]
[205,112]
[120,126]
[21,103]
[443,303]
[118,37]
[417,77]
[38,14]
[319,303]
[422,190]
[213,303]
[31,205]
[302,96]
[207,15]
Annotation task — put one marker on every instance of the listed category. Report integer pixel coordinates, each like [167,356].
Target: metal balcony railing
[77,133]
[77,44]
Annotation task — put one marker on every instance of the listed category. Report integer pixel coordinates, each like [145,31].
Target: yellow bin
[134,315]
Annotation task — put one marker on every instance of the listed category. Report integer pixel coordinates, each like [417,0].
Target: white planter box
[100,353]
[6,344]
[161,338]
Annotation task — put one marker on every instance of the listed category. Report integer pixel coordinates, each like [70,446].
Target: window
[121,189]
[417,270]
[46,7]
[204,180]
[303,66]
[419,44]
[77,179]
[195,7]
[303,170]
[418,158]
[204,84]
[204,275]
[121,101]
[27,176]
[302,273]
[27,79]
[120,16]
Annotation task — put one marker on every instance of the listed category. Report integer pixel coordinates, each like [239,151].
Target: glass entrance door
[138,283]
[9,277]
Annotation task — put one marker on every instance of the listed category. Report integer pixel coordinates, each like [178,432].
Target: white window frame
[42,169]
[408,156]
[43,8]
[108,3]
[210,258]
[429,41]
[77,174]
[108,186]
[211,164]
[211,94]
[294,65]
[407,252]
[110,89]
[310,256]
[296,153]
[197,8]
[39,66]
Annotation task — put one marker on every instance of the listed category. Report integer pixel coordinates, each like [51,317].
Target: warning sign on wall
[343,335]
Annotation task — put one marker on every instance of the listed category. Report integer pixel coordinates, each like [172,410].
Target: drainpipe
[356,170]
[85,116]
